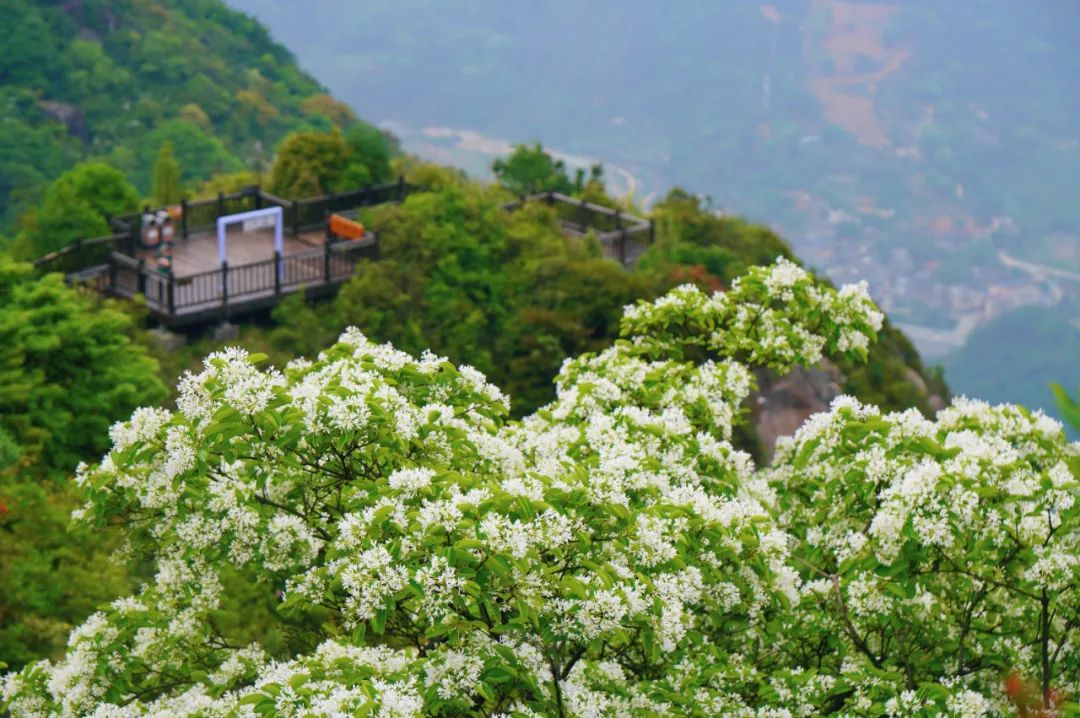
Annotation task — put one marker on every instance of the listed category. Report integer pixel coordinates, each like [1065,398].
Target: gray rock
[782,404]
[226,332]
[168,341]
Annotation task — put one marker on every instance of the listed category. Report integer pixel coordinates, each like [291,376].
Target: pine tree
[166,188]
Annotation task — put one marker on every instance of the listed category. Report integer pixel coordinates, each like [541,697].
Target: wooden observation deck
[202,288]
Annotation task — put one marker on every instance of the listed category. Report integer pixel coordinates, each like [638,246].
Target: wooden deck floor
[199,253]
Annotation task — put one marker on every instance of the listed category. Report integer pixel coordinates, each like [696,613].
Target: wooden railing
[622,236]
[300,215]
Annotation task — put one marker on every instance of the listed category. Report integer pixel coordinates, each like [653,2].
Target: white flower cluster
[612,554]
[774,316]
[956,539]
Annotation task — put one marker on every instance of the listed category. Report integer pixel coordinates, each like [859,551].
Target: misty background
[930,148]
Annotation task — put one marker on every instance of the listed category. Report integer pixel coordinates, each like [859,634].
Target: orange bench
[345,228]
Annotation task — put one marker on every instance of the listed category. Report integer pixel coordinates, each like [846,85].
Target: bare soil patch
[852,40]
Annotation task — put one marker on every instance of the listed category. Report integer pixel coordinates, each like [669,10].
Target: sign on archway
[252,219]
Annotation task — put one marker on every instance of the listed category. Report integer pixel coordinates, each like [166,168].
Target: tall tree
[77,206]
[309,163]
[371,152]
[166,187]
[530,169]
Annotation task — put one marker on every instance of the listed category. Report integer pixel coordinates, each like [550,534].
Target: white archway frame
[275,212]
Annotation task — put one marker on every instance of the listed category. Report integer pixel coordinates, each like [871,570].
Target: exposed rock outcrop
[783,403]
[71,116]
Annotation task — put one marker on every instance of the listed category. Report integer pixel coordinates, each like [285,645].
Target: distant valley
[929,149]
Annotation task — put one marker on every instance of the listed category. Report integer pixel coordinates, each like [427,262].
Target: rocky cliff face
[782,404]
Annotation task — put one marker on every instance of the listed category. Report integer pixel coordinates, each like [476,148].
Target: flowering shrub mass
[610,555]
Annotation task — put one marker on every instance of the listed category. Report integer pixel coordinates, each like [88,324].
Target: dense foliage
[309,164]
[529,169]
[942,551]
[69,367]
[610,554]
[75,206]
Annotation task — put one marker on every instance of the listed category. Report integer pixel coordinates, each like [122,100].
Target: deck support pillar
[277,272]
[224,284]
[112,271]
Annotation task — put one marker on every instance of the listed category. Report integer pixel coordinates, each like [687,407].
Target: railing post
[140,280]
[225,284]
[296,218]
[652,231]
[583,216]
[220,204]
[172,293]
[257,194]
[326,262]
[183,218]
[326,223]
[277,272]
[401,188]
[112,271]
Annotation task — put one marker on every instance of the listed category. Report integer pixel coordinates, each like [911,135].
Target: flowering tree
[942,552]
[612,554]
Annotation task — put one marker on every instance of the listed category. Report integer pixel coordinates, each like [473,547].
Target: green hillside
[998,349]
[116,80]
[458,274]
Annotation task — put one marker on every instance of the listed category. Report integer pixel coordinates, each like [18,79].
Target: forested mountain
[512,475]
[114,102]
[922,145]
[117,80]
